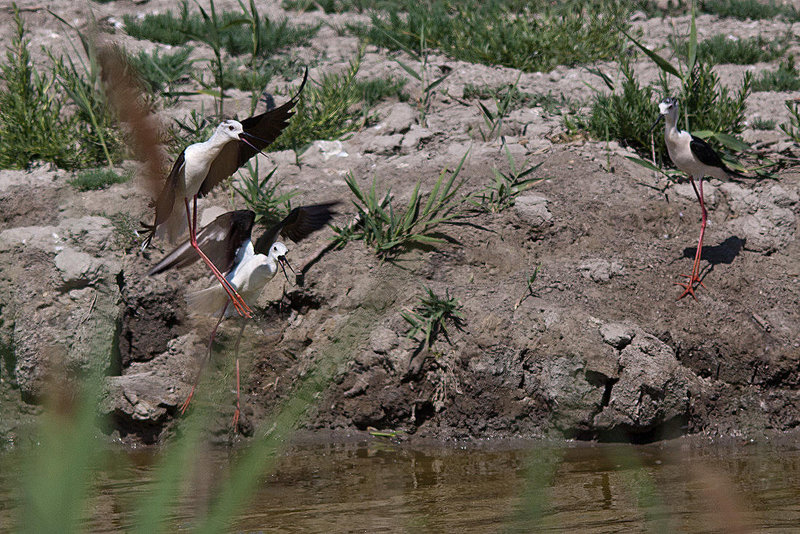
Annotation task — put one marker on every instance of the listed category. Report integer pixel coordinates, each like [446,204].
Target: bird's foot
[240,305]
[689,286]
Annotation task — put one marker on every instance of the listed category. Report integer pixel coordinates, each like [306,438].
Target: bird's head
[278,251]
[668,106]
[230,128]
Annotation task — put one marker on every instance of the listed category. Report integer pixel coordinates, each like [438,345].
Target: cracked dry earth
[599,349]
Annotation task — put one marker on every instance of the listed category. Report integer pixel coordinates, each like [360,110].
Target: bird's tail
[210,301]
[175,227]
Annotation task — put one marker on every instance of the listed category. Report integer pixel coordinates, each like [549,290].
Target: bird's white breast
[197,161]
[251,275]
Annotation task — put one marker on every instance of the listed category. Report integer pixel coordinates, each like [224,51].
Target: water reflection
[380,487]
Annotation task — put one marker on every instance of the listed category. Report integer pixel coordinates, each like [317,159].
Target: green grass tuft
[431,314]
[530,36]
[236,36]
[763,124]
[262,196]
[721,49]
[31,125]
[389,233]
[786,78]
[328,109]
[750,9]
[95,179]
[162,72]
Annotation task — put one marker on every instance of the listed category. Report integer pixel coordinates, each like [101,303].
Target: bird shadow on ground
[725,252]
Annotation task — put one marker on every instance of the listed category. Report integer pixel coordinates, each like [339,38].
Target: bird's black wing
[260,131]
[219,240]
[299,224]
[705,153]
[165,200]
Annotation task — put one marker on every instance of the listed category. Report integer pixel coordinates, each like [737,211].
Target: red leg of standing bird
[694,277]
[238,302]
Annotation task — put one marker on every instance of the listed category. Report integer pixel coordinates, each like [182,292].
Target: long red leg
[236,352]
[694,277]
[185,404]
[238,302]
[236,413]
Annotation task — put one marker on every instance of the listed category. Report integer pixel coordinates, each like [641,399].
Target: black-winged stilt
[201,166]
[227,242]
[696,158]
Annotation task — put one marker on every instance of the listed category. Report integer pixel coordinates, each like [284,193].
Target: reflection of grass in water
[57,479]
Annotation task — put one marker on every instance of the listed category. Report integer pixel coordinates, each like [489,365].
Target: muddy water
[381,487]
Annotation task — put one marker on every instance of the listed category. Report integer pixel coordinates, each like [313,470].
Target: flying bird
[696,158]
[248,267]
[201,166]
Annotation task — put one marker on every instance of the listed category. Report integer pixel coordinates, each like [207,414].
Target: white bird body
[250,274]
[679,147]
[193,168]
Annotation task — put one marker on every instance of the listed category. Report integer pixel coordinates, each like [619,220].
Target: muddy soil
[597,347]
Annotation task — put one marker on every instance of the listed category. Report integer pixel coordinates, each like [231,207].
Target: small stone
[415,136]
[533,210]
[399,120]
[618,335]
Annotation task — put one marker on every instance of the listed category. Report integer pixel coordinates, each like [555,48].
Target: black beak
[248,143]
[285,263]
[653,127]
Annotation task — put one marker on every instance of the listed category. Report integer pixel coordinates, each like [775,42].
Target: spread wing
[219,240]
[299,224]
[705,153]
[260,131]
[165,201]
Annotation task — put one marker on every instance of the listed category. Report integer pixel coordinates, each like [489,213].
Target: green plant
[724,49]
[194,128]
[550,103]
[507,186]
[529,288]
[530,36]
[386,231]
[376,89]
[327,110]
[786,78]
[333,6]
[750,9]
[792,128]
[494,119]
[97,131]
[126,239]
[763,124]
[422,76]
[31,125]
[210,33]
[262,196]
[625,116]
[430,315]
[162,72]
[94,179]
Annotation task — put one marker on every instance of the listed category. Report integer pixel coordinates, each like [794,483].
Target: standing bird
[696,158]
[201,166]
[227,242]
